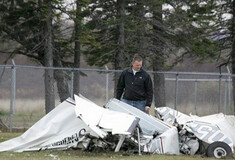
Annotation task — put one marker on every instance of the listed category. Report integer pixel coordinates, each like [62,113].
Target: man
[136,84]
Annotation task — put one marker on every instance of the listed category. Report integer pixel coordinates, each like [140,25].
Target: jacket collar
[131,71]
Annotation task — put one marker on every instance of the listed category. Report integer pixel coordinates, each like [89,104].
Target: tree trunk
[141,30]
[233,53]
[120,57]
[12,6]
[77,49]
[3,126]
[48,58]
[61,80]
[158,60]
[159,85]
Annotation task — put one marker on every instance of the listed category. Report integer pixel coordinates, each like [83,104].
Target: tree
[112,32]
[119,62]
[108,41]
[48,59]
[29,25]
[179,29]
[77,48]
[158,59]
[223,35]
[162,36]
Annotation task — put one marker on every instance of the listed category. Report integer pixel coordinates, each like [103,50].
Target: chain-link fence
[22,92]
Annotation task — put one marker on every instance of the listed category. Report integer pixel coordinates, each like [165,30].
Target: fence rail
[111,70]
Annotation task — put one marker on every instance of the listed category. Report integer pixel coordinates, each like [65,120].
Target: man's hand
[147,108]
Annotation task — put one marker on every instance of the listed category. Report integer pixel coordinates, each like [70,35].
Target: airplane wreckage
[81,124]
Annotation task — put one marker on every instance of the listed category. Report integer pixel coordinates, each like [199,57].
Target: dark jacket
[136,87]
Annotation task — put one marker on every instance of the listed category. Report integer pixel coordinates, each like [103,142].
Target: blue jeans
[137,104]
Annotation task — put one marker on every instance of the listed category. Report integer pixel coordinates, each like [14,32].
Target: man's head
[136,62]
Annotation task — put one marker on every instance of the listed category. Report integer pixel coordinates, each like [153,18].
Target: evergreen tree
[27,24]
[161,31]
[224,35]
[179,29]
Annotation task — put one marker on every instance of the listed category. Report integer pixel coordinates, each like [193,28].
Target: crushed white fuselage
[85,125]
[214,130]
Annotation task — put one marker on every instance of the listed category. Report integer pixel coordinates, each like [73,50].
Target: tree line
[164,32]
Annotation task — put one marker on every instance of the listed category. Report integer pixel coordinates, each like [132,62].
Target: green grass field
[81,155]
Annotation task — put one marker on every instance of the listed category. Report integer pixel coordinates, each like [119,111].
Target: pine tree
[163,32]
[224,35]
[29,25]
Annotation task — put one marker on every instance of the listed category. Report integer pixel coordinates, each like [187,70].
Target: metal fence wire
[22,91]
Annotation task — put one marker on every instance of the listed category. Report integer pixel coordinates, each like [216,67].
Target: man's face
[137,65]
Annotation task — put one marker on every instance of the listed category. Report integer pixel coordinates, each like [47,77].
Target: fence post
[72,79]
[229,91]
[107,84]
[176,90]
[225,95]
[195,97]
[13,89]
[220,98]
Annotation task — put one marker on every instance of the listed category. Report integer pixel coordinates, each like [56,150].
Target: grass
[81,155]
[5,136]
[74,155]
[29,111]
[26,113]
